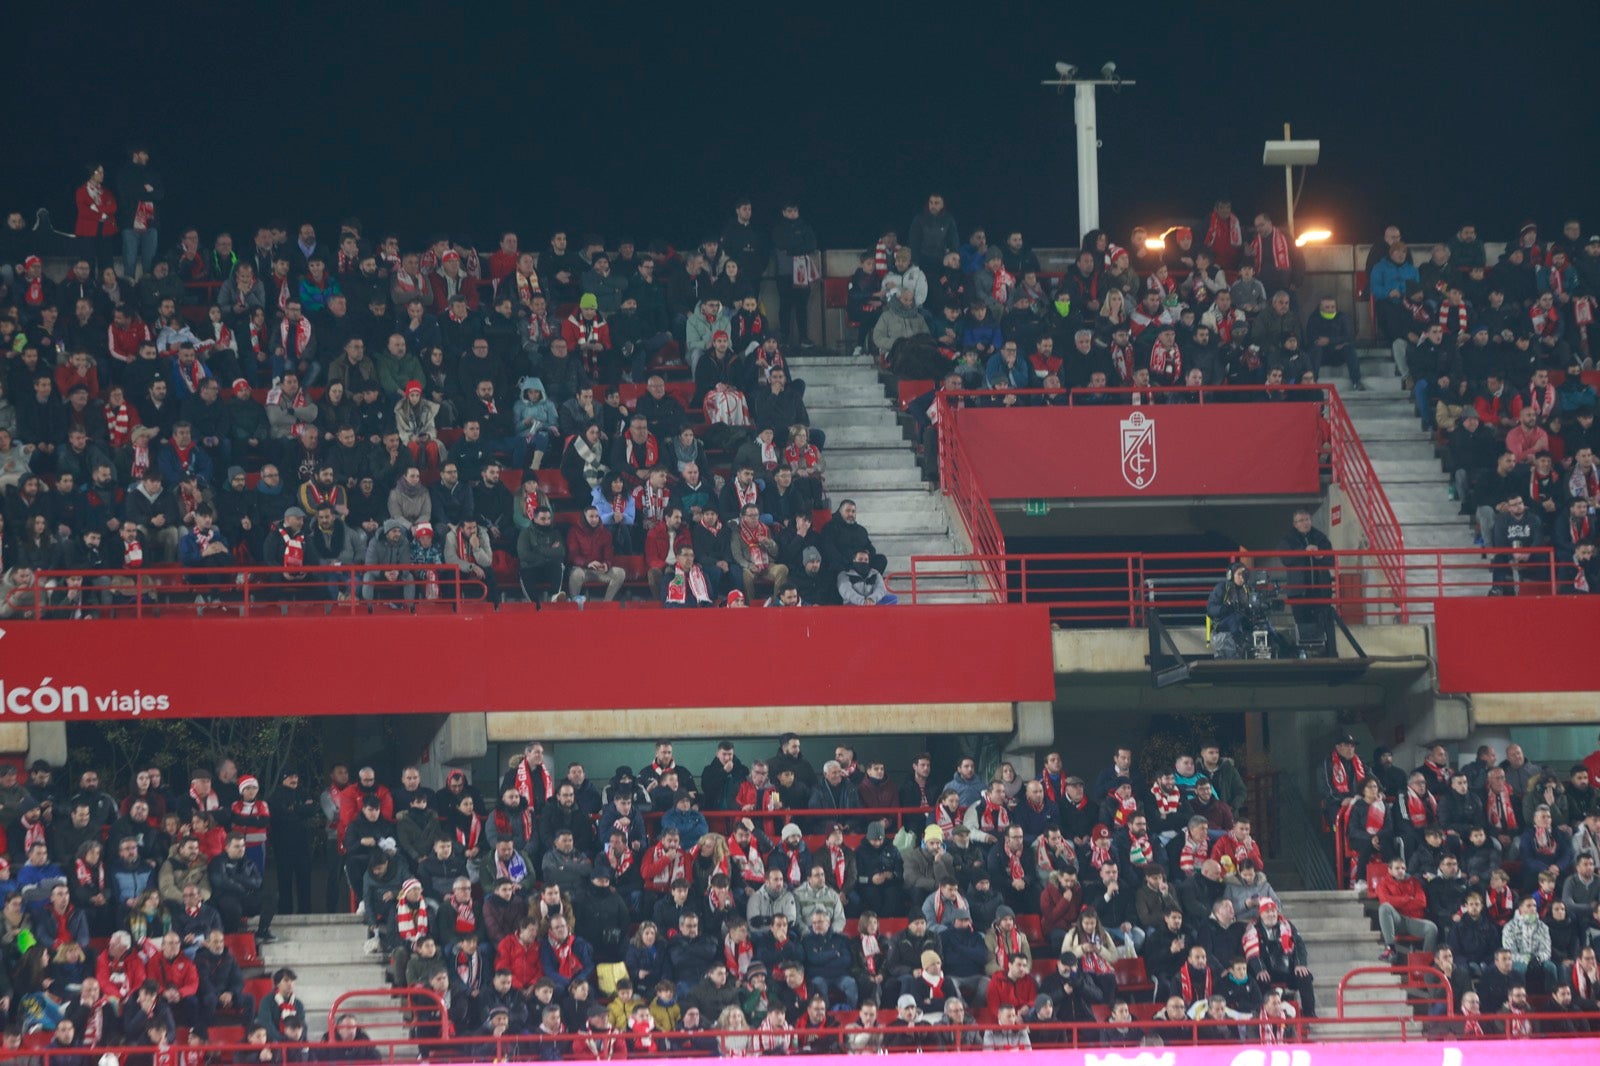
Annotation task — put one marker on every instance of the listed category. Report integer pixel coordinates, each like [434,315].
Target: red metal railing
[239,591]
[960,482]
[1119,588]
[1372,981]
[1401,1027]
[377,1009]
[1350,466]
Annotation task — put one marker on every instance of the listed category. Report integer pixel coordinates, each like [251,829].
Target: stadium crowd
[662,900]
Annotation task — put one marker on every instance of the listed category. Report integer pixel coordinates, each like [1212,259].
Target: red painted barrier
[521,661]
[1170,450]
[1481,641]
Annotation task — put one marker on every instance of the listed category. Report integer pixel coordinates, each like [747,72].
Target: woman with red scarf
[1224,236]
[1367,826]
[97,214]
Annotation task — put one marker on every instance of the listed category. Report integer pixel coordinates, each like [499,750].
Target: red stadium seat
[243,946]
[1131,973]
[1030,927]
[911,388]
[1143,1012]
[554,484]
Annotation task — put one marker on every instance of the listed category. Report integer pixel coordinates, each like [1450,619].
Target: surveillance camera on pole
[1083,118]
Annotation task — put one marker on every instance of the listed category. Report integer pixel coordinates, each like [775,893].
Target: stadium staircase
[326,952]
[1339,937]
[1402,454]
[870,461]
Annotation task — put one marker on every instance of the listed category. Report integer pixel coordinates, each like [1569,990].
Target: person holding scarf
[687,585]
[1342,776]
[1224,236]
[1367,828]
[1278,263]
[1276,954]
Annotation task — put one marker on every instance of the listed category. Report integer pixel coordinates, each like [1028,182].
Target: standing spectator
[97,214]
[933,233]
[139,192]
[795,243]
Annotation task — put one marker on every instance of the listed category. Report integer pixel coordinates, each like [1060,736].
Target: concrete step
[906,524]
[834,419]
[1332,895]
[1332,925]
[1409,470]
[861,377]
[879,456]
[1437,510]
[1412,448]
[802,362]
[854,480]
[876,435]
[826,399]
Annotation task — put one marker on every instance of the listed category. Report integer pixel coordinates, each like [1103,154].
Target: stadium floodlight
[1288,154]
[1088,141]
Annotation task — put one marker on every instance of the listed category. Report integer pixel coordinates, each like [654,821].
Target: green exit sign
[1036,508]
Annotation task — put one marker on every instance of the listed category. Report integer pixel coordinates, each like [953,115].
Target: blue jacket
[647,965]
[985,332]
[691,826]
[828,955]
[172,468]
[1019,376]
[964,952]
[126,884]
[552,966]
[1386,277]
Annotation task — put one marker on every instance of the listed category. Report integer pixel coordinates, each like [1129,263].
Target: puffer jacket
[1526,940]
[381,551]
[533,415]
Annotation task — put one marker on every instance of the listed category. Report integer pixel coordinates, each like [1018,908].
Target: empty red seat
[1130,973]
[243,946]
[1030,927]
[912,388]
[891,926]
[554,483]
[1143,1012]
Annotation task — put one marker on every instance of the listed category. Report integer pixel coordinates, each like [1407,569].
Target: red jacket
[120,979]
[1227,845]
[1003,990]
[1406,896]
[176,972]
[586,545]
[659,869]
[441,298]
[521,959]
[124,343]
[655,544]
[96,220]
[350,805]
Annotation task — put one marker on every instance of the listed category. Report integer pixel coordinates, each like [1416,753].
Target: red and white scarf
[993,818]
[1192,854]
[294,549]
[503,824]
[90,876]
[1280,250]
[1502,810]
[683,584]
[119,424]
[1255,934]
[1186,980]
[1007,945]
[470,837]
[466,919]
[800,458]
[1167,803]
[526,788]
[621,860]
[1377,815]
[411,919]
[1460,316]
[738,956]
[209,803]
[1421,810]
[753,868]
[1126,809]
[1222,234]
[650,502]
[1543,401]
[1340,778]
[836,864]
[1000,287]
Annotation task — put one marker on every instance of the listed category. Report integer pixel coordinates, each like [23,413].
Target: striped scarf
[1167,803]
[411,919]
[119,423]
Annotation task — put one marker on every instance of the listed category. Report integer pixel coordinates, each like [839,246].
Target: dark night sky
[613,119]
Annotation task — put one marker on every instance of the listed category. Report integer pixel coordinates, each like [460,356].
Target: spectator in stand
[1403,908]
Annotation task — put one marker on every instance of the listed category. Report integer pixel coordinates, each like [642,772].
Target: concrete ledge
[1535,708]
[1123,651]
[688,722]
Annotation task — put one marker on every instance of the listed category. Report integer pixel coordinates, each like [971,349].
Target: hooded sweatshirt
[533,414]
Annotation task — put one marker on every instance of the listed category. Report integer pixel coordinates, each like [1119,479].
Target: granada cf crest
[1138,450]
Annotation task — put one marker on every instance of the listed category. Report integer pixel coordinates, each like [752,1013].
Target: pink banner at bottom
[1488,1052]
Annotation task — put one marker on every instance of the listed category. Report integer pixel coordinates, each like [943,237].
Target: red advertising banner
[521,661]
[1479,635]
[1219,449]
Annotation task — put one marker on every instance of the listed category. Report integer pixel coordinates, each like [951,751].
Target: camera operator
[1310,577]
[1228,608]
